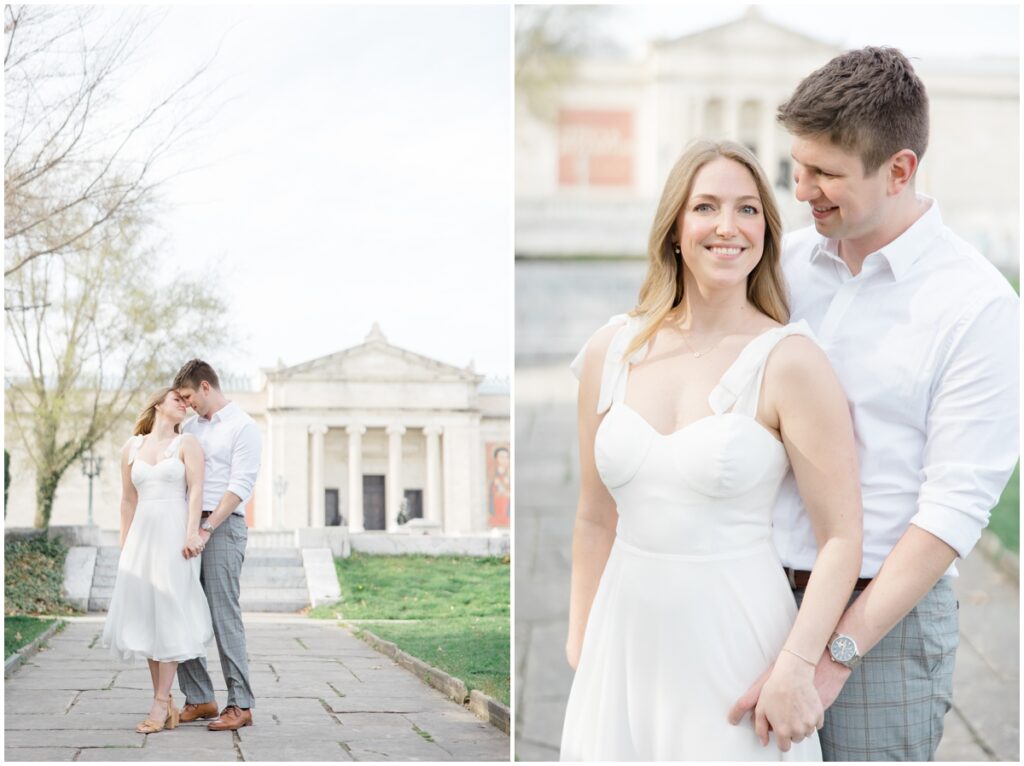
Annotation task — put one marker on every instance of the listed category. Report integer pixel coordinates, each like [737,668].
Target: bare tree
[97,332]
[549,40]
[77,161]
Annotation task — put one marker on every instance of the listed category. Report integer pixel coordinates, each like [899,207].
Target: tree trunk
[46,492]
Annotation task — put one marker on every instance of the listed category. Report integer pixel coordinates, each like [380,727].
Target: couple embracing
[784,449]
[183,538]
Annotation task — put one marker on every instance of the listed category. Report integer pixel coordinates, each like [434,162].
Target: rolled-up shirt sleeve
[972,441]
[245,461]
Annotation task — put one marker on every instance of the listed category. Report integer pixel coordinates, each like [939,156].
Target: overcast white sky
[360,172]
[360,167]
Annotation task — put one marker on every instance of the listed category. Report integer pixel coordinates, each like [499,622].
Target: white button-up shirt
[925,341]
[231,443]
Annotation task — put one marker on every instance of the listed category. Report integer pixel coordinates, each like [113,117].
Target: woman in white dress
[158,610]
[691,410]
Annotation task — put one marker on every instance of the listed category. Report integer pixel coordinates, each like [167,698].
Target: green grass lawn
[20,631]
[1005,521]
[460,605]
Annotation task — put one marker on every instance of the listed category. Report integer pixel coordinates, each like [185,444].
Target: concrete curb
[15,661]
[490,710]
[1004,559]
[452,687]
[481,705]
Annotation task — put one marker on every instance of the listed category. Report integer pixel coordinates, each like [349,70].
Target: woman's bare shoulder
[190,441]
[798,367]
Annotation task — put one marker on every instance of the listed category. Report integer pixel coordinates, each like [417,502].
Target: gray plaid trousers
[892,706]
[220,574]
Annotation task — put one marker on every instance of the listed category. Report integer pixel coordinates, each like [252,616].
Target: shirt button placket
[837,310]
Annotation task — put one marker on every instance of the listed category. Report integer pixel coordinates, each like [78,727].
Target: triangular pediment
[374,360]
[750,32]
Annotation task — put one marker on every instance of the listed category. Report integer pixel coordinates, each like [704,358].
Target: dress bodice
[706,489]
[164,480]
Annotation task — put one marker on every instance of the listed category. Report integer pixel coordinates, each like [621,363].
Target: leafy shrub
[33,575]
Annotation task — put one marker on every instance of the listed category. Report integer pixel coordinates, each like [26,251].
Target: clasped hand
[789,704]
[195,544]
[780,702]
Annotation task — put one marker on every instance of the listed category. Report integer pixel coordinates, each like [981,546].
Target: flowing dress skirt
[158,610]
[671,643]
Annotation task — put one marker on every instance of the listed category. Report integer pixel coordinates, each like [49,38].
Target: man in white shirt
[923,333]
[231,444]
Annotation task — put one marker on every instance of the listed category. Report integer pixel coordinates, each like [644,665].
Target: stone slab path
[983,726]
[321,695]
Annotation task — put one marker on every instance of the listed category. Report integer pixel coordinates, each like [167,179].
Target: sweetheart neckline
[692,423]
[158,462]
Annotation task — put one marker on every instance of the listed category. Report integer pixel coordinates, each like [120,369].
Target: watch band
[207,526]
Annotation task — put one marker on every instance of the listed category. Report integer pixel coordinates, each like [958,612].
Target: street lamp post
[91,467]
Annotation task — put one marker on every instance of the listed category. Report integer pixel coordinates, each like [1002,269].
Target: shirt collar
[224,412]
[902,252]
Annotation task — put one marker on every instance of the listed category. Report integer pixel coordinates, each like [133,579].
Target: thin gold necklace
[699,354]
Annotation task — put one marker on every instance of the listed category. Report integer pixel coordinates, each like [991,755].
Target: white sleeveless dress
[158,610]
[693,604]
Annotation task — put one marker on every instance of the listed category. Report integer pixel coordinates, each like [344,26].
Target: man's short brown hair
[867,101]
[193,372]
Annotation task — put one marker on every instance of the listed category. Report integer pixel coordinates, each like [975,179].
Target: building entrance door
[373,503]
[332,516]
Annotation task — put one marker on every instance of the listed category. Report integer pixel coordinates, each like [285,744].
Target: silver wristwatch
[843,649]
[207,526]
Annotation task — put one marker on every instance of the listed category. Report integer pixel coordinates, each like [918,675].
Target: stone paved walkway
[321,695]
[984,724]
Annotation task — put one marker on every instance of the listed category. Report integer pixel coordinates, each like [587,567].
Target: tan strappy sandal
[149,726]
[173,714]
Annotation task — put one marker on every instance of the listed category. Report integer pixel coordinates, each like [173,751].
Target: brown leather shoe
[196,710]
[231,718]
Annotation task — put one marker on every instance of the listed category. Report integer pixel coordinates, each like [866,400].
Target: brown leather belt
[798,579]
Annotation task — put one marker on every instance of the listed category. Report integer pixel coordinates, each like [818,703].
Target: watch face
[843,649]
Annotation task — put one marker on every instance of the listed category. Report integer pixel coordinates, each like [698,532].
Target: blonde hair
[662,290]
[144,423]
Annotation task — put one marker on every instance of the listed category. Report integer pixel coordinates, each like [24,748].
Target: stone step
[249,590]
[273,577]
[272,554]
[265,600]
[263,570]
[273,580]
[275,594]
[99,603]
[283,605]
[253,556]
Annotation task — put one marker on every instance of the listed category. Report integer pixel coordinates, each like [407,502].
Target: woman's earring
[676,249]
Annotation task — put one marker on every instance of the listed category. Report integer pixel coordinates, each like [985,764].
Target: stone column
[316,503]
[432,501]
[731,119]
[767,151]
[355,477]
[393,492]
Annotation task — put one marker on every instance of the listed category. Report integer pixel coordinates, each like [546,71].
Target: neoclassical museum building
[596,139]
[370,437]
